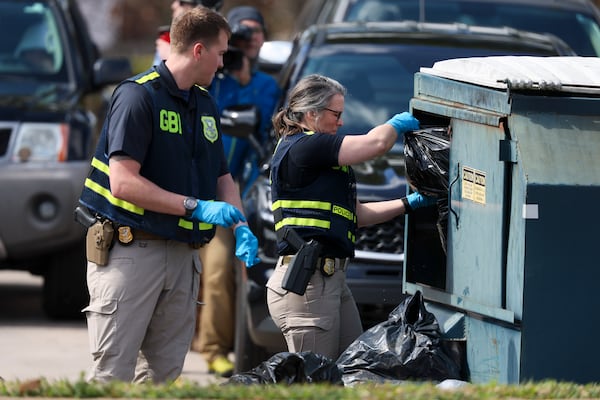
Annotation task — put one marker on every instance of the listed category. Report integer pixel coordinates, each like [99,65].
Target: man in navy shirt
[159,180]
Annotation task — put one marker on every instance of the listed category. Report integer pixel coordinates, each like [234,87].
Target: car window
[31,43]
[379,79]
[580,31]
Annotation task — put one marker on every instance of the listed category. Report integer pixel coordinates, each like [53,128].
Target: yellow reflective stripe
[319,223]
[185,224]
[343,212]
[343,168]
[203,226]
[148,77]
[102,191]
[189,225]
[100,165]
[318,205]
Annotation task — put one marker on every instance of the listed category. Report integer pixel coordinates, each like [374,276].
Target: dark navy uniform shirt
[309,156]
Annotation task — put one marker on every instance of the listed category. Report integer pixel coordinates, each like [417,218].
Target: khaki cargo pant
[325,320]
[216,326]
[143,303]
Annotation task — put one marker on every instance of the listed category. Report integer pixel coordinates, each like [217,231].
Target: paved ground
[31,346]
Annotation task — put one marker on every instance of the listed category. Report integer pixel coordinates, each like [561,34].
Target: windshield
[580,31]
[31,45]
[379,78]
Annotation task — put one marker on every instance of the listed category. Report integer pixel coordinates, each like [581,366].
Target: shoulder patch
[209,128]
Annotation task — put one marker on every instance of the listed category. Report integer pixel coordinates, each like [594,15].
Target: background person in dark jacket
[239,84]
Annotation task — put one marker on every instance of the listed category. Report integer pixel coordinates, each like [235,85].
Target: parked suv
[577,22]
[376,62]
[51,78]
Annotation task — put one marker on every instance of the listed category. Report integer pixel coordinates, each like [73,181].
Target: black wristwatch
[190,204]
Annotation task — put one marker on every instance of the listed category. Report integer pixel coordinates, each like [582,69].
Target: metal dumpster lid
[565,74]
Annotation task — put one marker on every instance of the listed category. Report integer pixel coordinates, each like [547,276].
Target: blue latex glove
[404,122]
[218,213]
[417,200]
[246,246]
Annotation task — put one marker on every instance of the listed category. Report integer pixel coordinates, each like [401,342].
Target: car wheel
[65,291]
[247,354]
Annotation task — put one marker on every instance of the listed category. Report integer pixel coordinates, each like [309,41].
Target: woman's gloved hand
[246,246]
[417,200]
[404,122]
[218,213]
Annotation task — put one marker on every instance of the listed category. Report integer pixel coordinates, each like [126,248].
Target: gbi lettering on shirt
[170,121]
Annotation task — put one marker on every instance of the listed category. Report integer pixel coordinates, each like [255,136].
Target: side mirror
[273,55]
[111,70]
[240,121]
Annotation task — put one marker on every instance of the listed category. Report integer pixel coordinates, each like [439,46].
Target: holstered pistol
[98,241]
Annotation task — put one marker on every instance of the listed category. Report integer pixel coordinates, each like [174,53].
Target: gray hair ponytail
[311,93]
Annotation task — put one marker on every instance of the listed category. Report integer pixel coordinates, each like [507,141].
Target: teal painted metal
[493,351]
[522,228]
[461,302]
[474,265]
[474,98]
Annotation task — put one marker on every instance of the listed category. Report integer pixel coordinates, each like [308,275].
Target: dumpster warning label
[473,185]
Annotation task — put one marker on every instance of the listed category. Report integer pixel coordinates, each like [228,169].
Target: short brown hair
[199,24]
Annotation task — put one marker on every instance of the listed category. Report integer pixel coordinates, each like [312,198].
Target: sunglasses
[338,114]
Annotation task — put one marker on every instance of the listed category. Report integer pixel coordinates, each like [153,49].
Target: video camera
[240,33]
[233,58]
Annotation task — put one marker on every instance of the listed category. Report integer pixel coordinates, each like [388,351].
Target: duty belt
[327,265]
[126,235]
[145,235]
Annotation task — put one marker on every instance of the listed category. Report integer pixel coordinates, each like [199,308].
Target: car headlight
[39,141]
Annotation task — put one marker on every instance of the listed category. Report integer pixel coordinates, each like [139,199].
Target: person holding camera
[316,214]
[239,83]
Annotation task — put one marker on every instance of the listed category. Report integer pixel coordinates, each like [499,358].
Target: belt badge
[329,266]
[125,235]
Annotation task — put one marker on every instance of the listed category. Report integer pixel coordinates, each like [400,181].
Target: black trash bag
[408,346]
[286,367]
[427,153]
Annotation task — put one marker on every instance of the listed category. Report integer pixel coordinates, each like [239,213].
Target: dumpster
[518,279]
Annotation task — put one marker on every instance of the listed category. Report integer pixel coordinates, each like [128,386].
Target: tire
[65,291]
[247,354]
